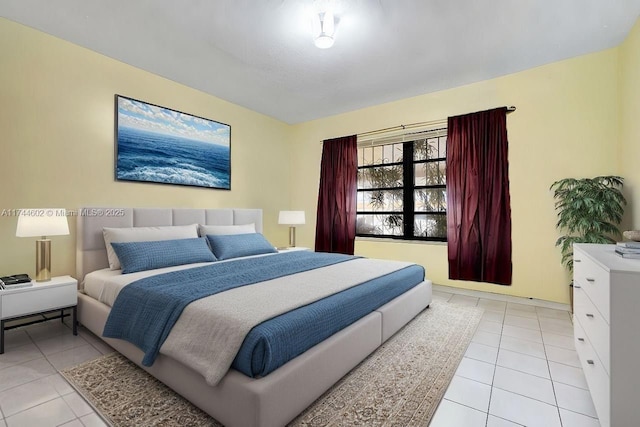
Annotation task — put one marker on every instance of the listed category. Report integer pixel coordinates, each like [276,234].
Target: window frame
[408,203]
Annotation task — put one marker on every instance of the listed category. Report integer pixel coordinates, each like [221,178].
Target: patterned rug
[400,384]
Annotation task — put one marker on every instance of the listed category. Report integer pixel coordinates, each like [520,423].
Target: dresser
[606,319]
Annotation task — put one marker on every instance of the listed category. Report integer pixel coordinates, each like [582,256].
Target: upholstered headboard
[91,253]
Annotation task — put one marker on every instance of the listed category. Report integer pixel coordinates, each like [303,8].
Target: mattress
[274,342]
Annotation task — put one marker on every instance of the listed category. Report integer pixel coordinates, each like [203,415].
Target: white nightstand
[40,298]
[294,248]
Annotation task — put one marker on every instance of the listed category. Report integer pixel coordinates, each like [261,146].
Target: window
[402,188]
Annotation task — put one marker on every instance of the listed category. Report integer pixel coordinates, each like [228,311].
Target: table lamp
[43,223]
[291,218]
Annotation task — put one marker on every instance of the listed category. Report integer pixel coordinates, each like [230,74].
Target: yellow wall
[57,121]
[566,124]
[577,117]
[629,86]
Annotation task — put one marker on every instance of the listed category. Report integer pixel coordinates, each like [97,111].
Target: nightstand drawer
[38,299]
[593,325]
[594,281]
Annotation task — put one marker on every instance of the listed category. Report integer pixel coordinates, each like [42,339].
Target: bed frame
[238,400]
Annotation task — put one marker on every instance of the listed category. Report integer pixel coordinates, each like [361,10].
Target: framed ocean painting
[158,144]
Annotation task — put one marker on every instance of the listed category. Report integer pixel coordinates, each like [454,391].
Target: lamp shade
[42,222]
[291,217]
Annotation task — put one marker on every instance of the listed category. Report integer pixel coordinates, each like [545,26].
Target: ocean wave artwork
[157,144]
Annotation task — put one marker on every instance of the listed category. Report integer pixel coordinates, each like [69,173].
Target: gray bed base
[240,401]
[276,399]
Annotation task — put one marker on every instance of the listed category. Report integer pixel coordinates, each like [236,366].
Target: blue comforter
[273,343]
[145,311]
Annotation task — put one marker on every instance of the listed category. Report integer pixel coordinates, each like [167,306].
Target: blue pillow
[141,256]
[238,245]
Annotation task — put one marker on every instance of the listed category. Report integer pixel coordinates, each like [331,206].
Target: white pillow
[223,230]
[144,234]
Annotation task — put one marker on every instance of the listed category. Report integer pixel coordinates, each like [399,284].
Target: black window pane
[442,172]
[420,149]
[397,152]
[426,149]
[380,200]
[420,173]
[380,177]
[432,173]
[375,155]
[433,226]
[443,147]
[367,156]
[379,224]
[363,179]
[432,148]
[430,200]
[378,155]
[388,154]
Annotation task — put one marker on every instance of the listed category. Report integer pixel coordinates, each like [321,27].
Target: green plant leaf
[589,211]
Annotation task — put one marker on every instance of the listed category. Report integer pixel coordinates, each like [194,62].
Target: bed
[237,399]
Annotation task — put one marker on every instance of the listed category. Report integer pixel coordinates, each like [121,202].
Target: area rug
[400,384]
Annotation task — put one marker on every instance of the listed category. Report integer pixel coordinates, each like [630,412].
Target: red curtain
[478,201]
[336,216]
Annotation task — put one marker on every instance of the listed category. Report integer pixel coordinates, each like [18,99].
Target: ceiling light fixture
[324,25]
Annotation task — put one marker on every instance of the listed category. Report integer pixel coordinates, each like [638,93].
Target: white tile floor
[32,393]
[520,369]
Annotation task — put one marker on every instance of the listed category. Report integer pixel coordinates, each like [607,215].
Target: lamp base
[43,260]
[292,237]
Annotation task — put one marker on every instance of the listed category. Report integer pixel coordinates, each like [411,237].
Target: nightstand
[293,248]
[40,298]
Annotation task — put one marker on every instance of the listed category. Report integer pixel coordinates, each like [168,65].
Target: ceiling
[260,53]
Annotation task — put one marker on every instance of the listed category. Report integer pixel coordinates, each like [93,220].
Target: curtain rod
[510,109]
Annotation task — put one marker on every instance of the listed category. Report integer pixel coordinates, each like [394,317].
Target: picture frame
[157,144]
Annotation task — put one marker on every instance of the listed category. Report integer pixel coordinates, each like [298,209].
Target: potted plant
[589,211]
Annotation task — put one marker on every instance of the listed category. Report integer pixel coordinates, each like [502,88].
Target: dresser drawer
[595,374]
[594,280]
[38,299]
[593,325]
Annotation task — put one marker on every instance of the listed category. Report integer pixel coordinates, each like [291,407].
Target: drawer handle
[577,286]
[590,315]
[581,339]
[577,260]
[590,280]
[590,362]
